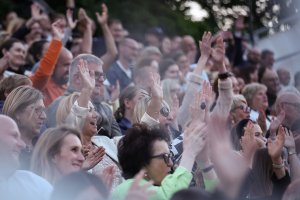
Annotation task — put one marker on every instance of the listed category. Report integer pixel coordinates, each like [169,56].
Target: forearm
[153,108]
[295,166]
[85,97]
[87,40]
[187,160]
[111,49]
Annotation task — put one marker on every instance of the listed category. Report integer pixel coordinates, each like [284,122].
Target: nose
[80,157]
[43,115]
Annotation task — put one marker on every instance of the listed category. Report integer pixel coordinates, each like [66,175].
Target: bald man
[17,184]
[289,102]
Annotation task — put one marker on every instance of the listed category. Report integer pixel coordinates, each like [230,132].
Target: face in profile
[69,158]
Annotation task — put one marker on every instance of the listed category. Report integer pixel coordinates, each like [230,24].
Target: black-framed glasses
[168,157]
[296,105]
[243,108]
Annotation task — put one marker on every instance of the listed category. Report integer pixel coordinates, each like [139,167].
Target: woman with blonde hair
[57,153]
[25,105]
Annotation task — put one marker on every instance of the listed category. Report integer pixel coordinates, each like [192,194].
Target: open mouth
[93,123]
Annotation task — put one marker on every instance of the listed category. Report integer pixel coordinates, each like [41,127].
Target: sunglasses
[243,108]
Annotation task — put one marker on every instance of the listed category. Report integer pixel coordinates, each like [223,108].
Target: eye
[75,149]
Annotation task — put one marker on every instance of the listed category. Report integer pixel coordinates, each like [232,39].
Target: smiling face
[16,56]
[172,72]
[90,124]
[70,158]
[158,169]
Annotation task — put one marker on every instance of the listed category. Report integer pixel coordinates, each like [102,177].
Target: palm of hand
[88,80]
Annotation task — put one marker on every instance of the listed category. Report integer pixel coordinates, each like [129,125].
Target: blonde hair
[141,107]
[64,108]
[49,145]
[251,89]
[167,86]
[19,99]
[237,100]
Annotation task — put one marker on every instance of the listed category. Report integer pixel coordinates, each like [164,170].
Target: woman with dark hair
[79,186]
[150,150]
[168,69]
[127,101]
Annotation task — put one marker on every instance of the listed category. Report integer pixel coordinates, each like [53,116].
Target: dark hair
[266,52]
[70,186]
[191,194]
[237,132]
[35,50]
[176,55]
[261,172]
[164,66]
[8,44]
[127,94]
[260,73]
[136,147]
[246,71]
[297,78]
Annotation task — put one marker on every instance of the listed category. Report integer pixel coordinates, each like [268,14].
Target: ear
[54,159]
[127,103]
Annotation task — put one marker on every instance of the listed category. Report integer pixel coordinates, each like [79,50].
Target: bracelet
[207,169]
[278,166]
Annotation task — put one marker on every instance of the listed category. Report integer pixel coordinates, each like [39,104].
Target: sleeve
[21,33]
[147,119]
[194,84]
[76,117]
[172,183]
[43,73]
[280,185]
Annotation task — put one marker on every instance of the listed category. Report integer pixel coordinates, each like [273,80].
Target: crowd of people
[113,117]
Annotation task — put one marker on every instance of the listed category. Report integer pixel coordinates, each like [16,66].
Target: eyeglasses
[244,108]
[39,110]
[296,105]
[99,75]
[168,157]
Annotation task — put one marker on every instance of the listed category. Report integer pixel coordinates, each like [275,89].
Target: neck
[129,115]
[27,138]
[125,62]
[86,139]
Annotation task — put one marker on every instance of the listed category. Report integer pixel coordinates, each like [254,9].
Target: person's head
[262,172]
[166,46]
[38,49]
[128,50]
[61,71]
[267,58]
[269,78]
[150,52]
[176,43]
[284,76]
[153,36]
[182,61]
[11,145]
[171,90]
[57,153]
[147,62]
[239,109]
[36,32]
[9,83]
[116,29]
[254,56]
[249,74]
[165,119]
[15,51]
[95,67]
[168,69]
[150,150]
[127,101]
[256,97]
[25,105]
[188,44]
[80,186]
[292,192]
[289,102]
[191,194]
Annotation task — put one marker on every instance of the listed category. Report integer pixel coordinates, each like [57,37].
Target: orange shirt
[52,91]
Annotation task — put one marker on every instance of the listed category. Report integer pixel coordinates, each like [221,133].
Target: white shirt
[25,185]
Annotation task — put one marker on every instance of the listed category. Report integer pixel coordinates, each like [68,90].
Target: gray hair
[87,57]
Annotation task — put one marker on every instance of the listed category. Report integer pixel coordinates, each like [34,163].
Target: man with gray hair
[17,184]
[106,121]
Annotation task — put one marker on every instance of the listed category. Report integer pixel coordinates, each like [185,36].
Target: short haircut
[266,52]
[138,144]
[88,57]
[9,83]
[250,90]
[237,100]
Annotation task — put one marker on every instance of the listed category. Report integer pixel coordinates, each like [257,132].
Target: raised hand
[103,18]
[289,140]
[276,123]
[138,191]
[275,146]
[205,45]
[174,107]
[93,158]
[84,18]
[36,12]
[155,87]
[57,31]
[86,75]
[115,91]
[71,22]
[218,54]
[107,176]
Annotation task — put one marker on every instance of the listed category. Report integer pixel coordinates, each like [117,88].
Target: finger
[104,8]
[138,178]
